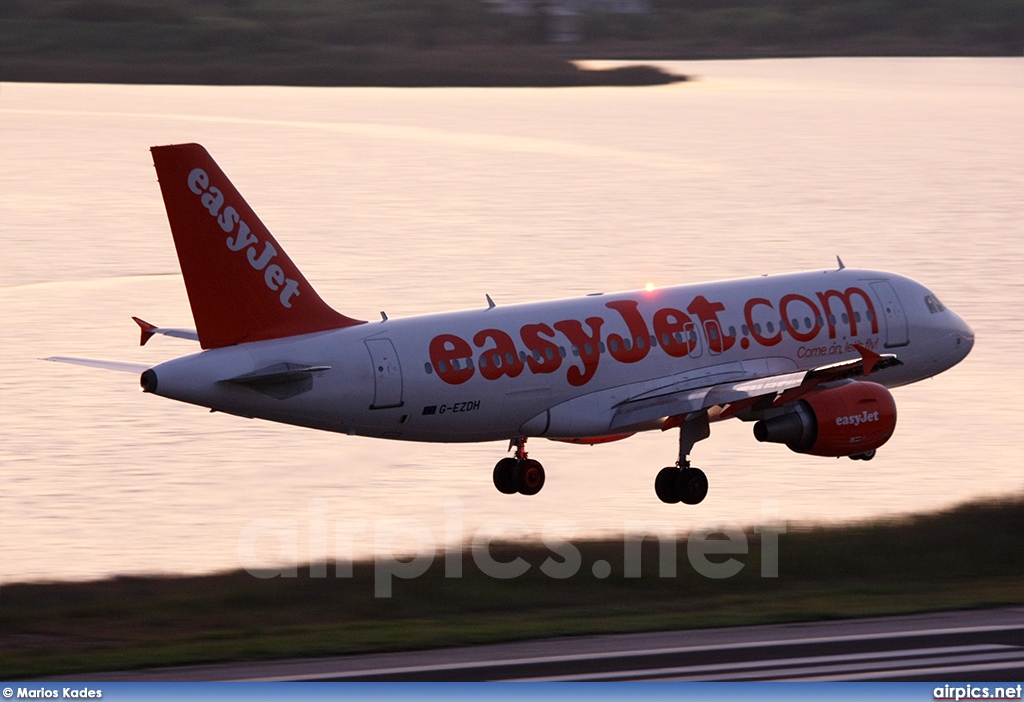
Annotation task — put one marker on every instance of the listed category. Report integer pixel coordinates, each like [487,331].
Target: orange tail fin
[241,284]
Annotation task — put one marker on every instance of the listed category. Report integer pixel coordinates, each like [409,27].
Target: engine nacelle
[841,421]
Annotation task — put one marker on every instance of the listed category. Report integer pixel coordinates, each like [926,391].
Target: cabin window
[550,353]
[641,342]
[483,361]
[561,352]
[442,367]
[588,348]
[745,329]
[428,368]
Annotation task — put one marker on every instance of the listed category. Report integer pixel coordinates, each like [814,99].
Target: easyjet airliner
[808,357]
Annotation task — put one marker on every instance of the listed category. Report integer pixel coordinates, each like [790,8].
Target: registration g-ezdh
[809,358]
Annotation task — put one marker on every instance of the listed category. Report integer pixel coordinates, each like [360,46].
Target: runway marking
[874,675]
[881,668]
[603,655]
[777,663]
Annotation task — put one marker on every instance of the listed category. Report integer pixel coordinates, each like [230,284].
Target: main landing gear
[682,482]
[679,483]
[520,474]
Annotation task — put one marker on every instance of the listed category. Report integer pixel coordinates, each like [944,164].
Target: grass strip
[963,558]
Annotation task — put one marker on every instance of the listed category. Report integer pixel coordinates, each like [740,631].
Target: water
[413,201]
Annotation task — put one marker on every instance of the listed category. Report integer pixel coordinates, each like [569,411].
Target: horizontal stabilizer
[277,374]
[123,366]
[148,330]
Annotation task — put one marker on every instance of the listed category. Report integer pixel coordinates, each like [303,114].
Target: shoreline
[463,43]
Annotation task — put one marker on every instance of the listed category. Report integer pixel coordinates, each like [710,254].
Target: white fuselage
[564,367]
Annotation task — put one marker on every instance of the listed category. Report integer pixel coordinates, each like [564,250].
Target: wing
[734,388]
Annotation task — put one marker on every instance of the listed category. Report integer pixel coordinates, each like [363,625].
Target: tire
[665,485]
[529,477]
[692,486]
[504,478]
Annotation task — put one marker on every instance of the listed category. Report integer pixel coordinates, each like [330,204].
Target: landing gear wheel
[866,456]
[528,476]
[691,486]
[504,476]
[665,485]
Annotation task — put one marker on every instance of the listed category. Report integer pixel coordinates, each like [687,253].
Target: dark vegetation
[462,42]
[967,557]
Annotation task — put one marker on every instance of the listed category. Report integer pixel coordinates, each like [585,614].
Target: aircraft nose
[964,337]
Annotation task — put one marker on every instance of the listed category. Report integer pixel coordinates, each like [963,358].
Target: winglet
[841,264]
[869,357]
[147,330]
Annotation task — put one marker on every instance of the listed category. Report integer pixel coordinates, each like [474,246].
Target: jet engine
[846,420]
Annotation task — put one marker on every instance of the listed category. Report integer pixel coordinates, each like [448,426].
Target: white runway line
[541,660]
[771,664]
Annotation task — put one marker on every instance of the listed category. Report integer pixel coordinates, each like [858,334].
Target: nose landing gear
[520,474]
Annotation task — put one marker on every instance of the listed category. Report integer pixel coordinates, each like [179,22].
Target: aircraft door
[387,374]
[895,319]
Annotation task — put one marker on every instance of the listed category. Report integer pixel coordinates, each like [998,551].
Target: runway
[947,646]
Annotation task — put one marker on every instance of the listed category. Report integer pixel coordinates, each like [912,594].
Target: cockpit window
[934,306]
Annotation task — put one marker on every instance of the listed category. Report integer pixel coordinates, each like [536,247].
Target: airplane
[808,357]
